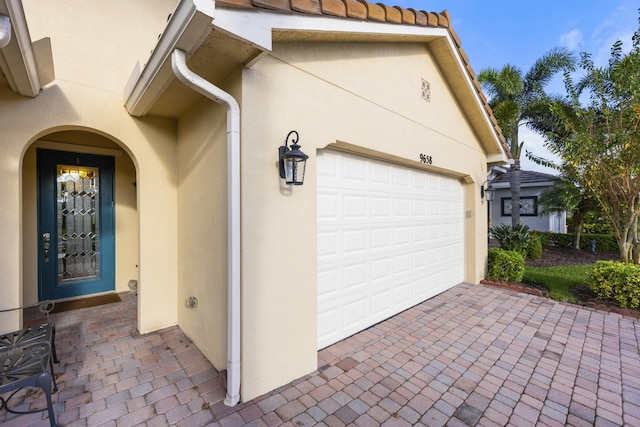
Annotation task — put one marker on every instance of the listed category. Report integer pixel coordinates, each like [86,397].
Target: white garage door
[389,237]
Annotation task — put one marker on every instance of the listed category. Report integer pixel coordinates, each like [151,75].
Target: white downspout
[194,81]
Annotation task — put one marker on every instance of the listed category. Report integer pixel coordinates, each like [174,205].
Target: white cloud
[534,143]
[618,25]
[571,40]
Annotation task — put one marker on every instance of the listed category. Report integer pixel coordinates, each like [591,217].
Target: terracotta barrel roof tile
[306,6]
[432,19]
[374,12]
[391,14]
[272,4]
[455,37]
[244,4]
[421,17]
[408,17]
[333,7]
[472,73]
[355,9]
[443,20]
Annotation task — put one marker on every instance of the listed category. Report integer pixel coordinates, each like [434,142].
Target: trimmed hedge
[604,242]
[617,280]
[505,266]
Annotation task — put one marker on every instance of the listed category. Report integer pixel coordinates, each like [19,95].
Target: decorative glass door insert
[78,211]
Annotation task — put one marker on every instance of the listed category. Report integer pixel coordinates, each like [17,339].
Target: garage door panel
[390,238]
[355,207]
[381,268]
[328,243]
[381,207]
[381,239]
[402,264]
[355,242]
[355,275]
[402,236]
[353,172]
[327,206]
[355,313]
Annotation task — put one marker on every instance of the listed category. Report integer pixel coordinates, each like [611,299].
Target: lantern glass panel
[294,169]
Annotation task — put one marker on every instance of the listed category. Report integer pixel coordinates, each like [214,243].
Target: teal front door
[76,224]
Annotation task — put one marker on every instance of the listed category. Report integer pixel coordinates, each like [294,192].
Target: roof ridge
[378,12]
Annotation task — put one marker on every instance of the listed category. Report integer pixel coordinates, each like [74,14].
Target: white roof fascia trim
[187,28]
[257,26]
[17,59]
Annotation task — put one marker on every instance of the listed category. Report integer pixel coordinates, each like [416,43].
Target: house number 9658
[426,159]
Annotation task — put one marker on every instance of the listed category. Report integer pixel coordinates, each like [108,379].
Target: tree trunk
[577,230]
[635,248]
[625,248]
[515,180]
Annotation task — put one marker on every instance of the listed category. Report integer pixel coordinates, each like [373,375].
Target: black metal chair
[26,366]
[24,355]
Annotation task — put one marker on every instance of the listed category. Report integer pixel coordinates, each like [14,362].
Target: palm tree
[518,100]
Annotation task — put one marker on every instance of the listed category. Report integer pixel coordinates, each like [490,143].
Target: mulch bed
[552,256]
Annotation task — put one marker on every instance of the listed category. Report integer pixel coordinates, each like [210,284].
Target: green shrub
[505,266]
[617,280]
[512,238]
[534,251]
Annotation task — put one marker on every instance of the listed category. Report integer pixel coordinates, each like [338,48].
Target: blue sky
[497,32]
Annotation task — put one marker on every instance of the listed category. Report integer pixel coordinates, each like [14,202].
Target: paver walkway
[474,355]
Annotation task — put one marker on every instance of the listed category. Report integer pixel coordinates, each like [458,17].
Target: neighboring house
[533,184]
[121,166]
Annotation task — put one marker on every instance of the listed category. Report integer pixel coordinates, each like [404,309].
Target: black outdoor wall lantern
[292,161]
[489,192]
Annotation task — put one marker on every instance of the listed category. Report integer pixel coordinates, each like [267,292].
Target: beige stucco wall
[202,224]
[92,69]
[359,97]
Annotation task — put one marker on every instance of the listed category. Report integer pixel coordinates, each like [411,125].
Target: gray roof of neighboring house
[527,177]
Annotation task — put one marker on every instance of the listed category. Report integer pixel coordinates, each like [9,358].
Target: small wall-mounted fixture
[489,192]
[292,161]
[5,30]
[192,302]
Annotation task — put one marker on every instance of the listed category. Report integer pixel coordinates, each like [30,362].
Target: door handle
[46,237]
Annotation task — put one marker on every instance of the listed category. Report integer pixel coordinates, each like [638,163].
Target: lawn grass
[558,279]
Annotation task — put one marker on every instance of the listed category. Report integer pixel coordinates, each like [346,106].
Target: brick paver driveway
[474,355]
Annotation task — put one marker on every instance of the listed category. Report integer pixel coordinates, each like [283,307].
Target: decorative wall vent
[426,90]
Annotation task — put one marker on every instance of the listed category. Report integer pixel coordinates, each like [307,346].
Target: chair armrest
[45,307]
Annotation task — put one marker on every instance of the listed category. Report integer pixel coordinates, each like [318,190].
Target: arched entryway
[80,222]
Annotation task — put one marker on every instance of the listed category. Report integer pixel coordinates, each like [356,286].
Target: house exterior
[533,184]
[139,147]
